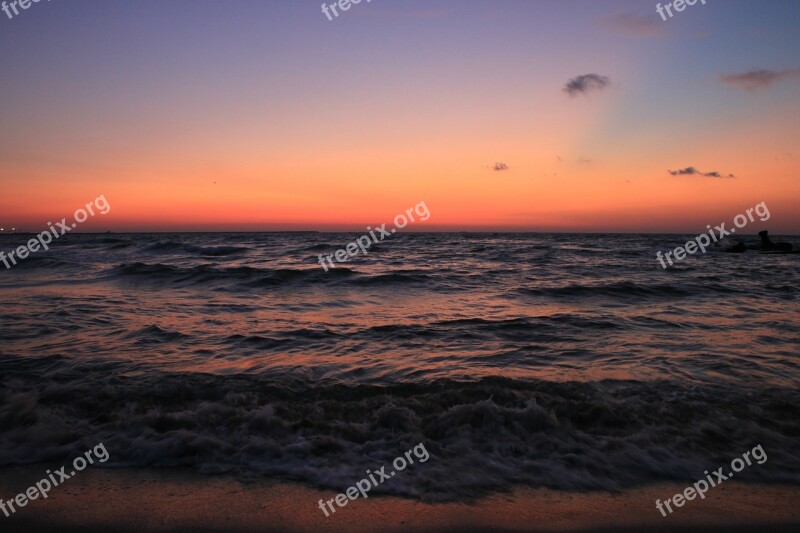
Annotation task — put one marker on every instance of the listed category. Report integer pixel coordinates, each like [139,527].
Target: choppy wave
[566,361]
[204,274]
[212,251]
[624,289]
[482,436]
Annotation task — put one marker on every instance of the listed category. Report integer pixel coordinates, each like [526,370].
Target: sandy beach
[124,500]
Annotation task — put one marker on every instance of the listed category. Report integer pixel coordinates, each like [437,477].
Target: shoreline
[173,500]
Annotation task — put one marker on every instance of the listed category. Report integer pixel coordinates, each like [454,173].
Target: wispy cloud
[499,167]
[635,25]
[586,82]
[692,171]
[759,79]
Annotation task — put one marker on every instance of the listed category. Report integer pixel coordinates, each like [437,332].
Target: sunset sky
[263,115]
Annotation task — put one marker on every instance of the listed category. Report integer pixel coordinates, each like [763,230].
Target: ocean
[565,361]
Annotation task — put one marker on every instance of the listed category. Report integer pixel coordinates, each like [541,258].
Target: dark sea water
[566,361]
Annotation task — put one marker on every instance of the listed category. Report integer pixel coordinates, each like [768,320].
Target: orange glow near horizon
[253,142]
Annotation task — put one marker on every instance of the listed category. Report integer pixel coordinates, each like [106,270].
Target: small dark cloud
[635,25]
[692,171]
[586,82]
[759,79]
[688,171]
[500,167]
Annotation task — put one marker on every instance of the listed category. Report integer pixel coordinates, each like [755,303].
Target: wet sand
[148,500]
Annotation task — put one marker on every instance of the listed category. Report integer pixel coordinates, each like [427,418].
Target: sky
[514,115]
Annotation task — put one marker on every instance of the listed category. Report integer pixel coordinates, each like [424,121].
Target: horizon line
[228,232]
